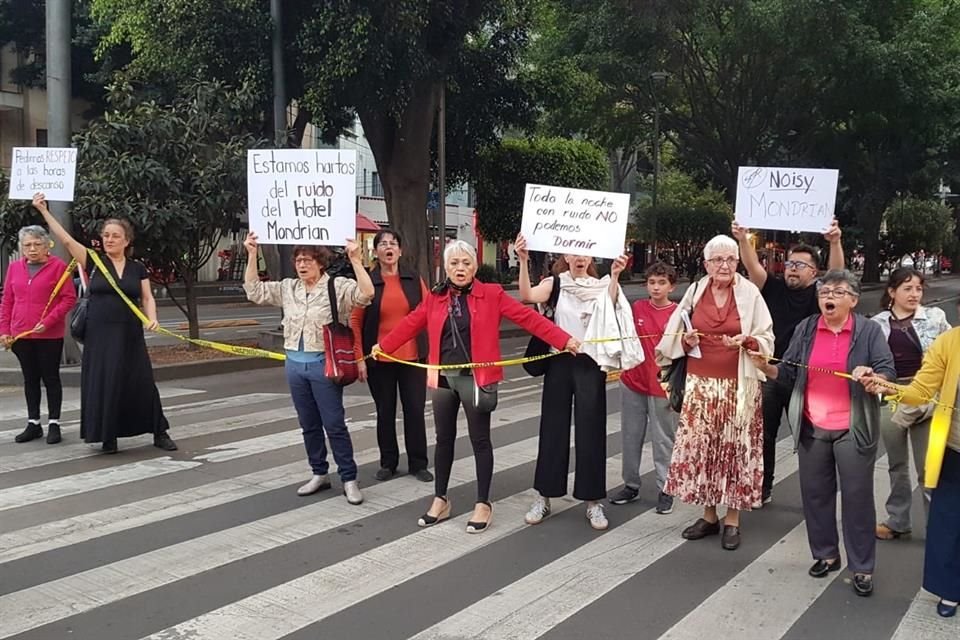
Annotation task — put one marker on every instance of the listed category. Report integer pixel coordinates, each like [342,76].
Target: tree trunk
[190,296]
[870,220]
[401,148]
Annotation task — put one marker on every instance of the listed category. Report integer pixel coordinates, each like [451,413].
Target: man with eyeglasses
[790,299]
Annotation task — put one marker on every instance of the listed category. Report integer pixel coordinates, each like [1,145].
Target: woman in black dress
[118,397]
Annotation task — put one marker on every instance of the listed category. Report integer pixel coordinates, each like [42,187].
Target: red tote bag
[341,363]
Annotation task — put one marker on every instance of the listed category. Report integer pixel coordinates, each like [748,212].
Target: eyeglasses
[32,245]
[835,293]
[386,244]
[797,264]
[302,260]
[719,262]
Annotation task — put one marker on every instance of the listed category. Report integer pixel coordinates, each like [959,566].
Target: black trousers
[385,379]
[454,391]
[776,398]
[40,360]
[573,385]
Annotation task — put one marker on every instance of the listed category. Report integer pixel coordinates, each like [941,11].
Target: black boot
[53,433]
[163,441]
[32,432]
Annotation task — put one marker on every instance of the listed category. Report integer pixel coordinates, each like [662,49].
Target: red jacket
[488,303]
[24,299]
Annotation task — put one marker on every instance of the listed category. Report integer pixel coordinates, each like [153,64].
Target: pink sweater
[24,299]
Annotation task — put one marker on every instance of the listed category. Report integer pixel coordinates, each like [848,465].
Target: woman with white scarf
[576,384]
[718,451]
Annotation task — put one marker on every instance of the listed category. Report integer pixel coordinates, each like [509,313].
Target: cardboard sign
[302,196]
[575,221]
[786,199]
[51,171]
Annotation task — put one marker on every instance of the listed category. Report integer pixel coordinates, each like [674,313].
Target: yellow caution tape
[219,346]
[56,290]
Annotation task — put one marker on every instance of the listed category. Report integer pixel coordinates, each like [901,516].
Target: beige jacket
[755,322]
[303,315]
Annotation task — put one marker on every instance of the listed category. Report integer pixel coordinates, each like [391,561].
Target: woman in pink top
[27,307]
[836,424]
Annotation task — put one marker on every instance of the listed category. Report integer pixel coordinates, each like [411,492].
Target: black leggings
[40,360]
[454,391]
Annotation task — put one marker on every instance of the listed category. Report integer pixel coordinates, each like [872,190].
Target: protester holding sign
[118,396]
[576,383]
[718,452]
[462,319]
[790,299]
[32,317]
[306,301]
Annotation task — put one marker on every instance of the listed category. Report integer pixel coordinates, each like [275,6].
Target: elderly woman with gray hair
[718,451]
[836,424]
[462,319]
[32,326]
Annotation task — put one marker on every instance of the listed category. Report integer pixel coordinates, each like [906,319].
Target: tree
[177,172]
[507,168]
[914,224]
[683,229]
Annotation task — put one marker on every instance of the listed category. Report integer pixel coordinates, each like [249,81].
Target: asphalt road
[213,543]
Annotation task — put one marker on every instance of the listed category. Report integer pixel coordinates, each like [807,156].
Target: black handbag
[537,347]
[674,376]
[78,321]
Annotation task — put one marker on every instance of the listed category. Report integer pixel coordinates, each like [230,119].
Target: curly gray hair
[35,231]
[842,276]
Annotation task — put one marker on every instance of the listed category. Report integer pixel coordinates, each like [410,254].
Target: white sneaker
[316,483]
[539,510]
[598,520]
[352,490]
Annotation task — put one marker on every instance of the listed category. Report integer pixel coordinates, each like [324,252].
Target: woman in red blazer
[462,320]
[27,306]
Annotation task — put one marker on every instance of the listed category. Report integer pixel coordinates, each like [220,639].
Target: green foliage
[488,273]
[507,168]
[683,229]
[914,224]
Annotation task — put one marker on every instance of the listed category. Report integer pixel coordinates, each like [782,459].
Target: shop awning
[366,225]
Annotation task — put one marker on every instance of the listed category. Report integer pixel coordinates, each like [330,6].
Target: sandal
[886,533]
[427,520]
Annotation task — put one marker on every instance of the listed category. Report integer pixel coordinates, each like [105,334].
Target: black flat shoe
[863,584]
[701,529]
[730,540]
[423,475]
[821,568]
[109,446]
[384,473]
[53,434]
[474,526]
[32,432]
[427,520]
[163,441]
[945,610]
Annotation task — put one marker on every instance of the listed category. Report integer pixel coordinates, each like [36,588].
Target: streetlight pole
[656,77]
[442,178]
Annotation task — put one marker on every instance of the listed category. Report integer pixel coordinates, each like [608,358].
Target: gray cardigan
[868,348]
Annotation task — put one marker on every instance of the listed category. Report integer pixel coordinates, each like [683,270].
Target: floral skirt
[717,459]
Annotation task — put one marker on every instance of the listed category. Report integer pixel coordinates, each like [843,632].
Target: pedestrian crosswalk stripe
[71,402]
[320,594]
[921,621]
[58,488]
[112,582]
[534,604]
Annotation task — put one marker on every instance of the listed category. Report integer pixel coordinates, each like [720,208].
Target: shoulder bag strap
[334,310]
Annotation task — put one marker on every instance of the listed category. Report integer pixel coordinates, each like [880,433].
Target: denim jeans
[319,405]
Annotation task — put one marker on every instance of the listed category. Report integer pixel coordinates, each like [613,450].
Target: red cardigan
[24,299]
[488,303]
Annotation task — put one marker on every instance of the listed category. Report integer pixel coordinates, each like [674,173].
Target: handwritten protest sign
[786,199]
[577,221]
[302,196]
[48,170]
